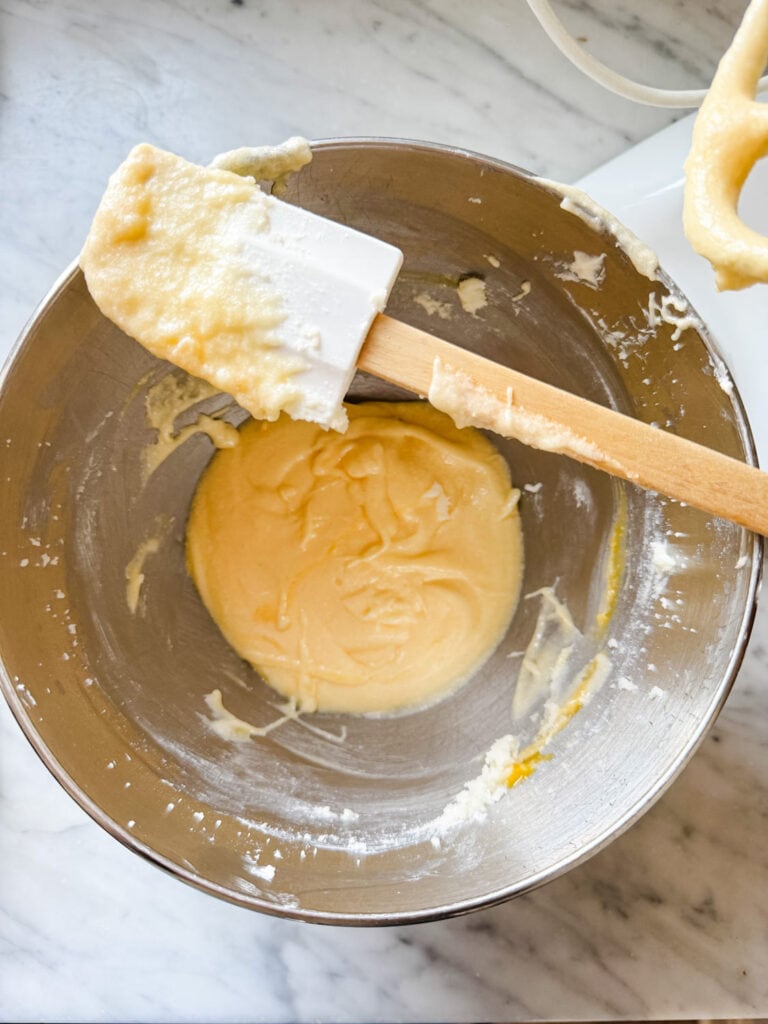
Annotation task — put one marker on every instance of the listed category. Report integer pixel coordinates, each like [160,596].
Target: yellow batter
[359,572]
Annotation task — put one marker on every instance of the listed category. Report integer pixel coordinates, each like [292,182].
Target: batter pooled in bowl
[361,572]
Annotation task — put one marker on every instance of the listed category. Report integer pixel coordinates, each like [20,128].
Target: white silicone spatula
[332,284]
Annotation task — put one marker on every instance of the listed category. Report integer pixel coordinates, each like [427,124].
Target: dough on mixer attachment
[730,135]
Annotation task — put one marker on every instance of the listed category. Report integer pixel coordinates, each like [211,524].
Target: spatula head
[260,298]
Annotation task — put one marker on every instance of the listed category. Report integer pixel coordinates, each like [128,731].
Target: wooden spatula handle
[613,442]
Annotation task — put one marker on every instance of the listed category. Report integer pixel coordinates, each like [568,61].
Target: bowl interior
[333,818]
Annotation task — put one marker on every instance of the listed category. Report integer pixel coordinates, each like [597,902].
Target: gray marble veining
[672,919]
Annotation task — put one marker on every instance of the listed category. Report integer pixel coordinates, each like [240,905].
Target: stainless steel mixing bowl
[333,820]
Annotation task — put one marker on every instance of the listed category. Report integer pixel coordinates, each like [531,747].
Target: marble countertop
[671,920]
